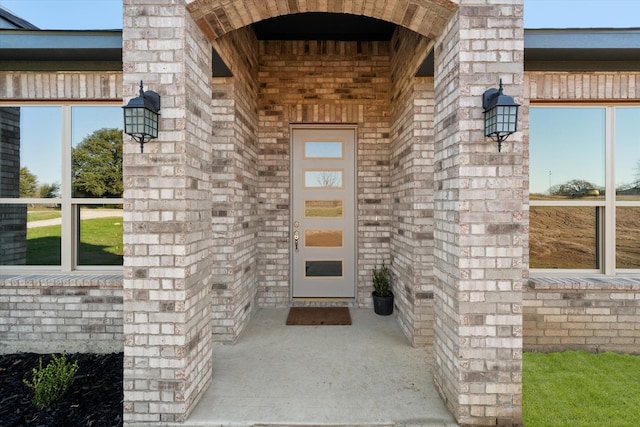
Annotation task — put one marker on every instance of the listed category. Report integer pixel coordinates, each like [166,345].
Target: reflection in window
[323,179]
[323,238]
[96,157]
[323,150]
[323,268]
[567,149]
[563,237]
[628,237]
[627,154]
[32,142]
[31,150]
[30,234]
[100,235]
[323,208]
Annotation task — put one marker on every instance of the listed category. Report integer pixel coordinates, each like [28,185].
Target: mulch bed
[94,399]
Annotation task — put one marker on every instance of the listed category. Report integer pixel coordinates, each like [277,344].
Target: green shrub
[51,382]
[382,281]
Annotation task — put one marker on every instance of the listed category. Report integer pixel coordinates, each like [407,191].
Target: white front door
[323,235]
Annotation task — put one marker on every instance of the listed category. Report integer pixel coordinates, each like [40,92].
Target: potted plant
[382,295]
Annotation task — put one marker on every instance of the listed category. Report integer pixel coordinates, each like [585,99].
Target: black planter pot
[382,306]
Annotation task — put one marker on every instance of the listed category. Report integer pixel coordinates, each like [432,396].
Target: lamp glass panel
[490,122]
[134,121]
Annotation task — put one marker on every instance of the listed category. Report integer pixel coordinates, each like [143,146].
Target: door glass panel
[323,208]
[323,238]
[323,179]
[322,150]
[323,268]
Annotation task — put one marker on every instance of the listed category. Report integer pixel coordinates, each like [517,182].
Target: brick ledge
[102,280]
[584,283]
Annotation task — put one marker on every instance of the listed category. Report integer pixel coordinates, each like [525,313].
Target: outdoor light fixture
[500,114]
[141,117]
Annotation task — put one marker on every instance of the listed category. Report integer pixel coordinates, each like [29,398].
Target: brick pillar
[481,218]
[167,208]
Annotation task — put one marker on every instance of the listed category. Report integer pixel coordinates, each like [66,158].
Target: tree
[328,179]
[49,191]
[28,183]
[573,188]
[96,165]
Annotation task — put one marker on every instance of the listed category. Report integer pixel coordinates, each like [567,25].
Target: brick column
[167,217]
[481,218]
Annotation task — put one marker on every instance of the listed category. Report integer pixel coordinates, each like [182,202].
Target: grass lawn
[101,243]
[580,389]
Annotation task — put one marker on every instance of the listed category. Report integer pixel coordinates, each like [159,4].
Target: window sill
[102,280]
[584,283]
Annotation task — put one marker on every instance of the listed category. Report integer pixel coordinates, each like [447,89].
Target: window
[585,188]
[61,187]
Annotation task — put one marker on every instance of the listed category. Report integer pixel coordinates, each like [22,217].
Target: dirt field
[565,237]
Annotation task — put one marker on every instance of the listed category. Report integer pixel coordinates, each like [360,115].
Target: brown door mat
[316,316]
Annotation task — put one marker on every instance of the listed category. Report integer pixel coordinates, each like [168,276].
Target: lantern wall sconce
[141,117]
[500,115]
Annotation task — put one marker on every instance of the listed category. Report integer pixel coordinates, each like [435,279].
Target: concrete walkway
[85,214]
[363,374]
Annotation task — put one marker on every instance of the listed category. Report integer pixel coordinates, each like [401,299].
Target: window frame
[606,227]
[70,215]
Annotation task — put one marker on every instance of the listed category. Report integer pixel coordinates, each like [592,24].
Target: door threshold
[327,300]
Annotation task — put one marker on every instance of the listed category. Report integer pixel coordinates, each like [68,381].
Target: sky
[107,14]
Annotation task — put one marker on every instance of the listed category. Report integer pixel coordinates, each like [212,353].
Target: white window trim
[609,204]
[68,234]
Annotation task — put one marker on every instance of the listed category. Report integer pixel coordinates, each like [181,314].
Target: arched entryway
[208,215]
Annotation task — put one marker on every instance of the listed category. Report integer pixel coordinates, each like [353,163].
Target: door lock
[296,237]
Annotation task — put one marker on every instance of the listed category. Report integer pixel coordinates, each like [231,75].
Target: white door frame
[353,220]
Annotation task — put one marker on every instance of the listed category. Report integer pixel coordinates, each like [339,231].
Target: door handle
[296,237]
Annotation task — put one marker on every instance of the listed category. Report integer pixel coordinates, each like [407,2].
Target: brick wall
[411,186]
[322,82]
[62,85]
[48,313]
[234,175]
[587,314]
[582,86]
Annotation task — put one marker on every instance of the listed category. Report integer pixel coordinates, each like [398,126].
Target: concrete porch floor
[363,374]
